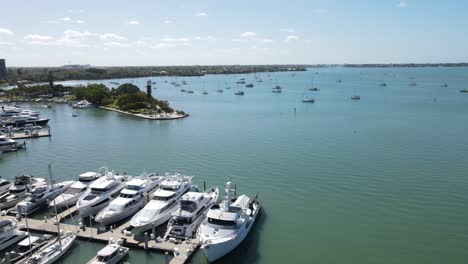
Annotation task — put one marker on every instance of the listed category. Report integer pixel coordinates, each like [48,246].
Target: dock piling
[145,235]
[8,261]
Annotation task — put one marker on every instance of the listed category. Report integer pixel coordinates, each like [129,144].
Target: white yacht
[227,224]
[7,144]
[70,196]
[52,252]
[100,194]
[28,246]
[9,235]
[83,104]
[191,212]
[19,190]
[132,198]
[40,196]
[113,253]
[163,203]
[76,190]
[4,186]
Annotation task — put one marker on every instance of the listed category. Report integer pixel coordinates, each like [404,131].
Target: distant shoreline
[173,116]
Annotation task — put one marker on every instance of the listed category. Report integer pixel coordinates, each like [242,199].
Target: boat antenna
[57,222]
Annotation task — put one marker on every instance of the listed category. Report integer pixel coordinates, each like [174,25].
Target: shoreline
[148,117]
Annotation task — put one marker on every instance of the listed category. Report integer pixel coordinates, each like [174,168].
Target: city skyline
[54,33]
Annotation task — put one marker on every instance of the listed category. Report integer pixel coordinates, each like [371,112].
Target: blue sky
[103,32]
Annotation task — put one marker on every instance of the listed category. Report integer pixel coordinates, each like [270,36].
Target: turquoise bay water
[380,180]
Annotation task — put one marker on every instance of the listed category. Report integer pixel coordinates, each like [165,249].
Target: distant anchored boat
[249,85]
[308,99]
[464,91]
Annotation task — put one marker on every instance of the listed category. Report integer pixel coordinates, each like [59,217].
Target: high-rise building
[3,70]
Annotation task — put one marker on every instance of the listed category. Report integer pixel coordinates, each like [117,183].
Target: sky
[213,32]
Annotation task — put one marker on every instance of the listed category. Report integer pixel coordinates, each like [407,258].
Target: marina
[355,183]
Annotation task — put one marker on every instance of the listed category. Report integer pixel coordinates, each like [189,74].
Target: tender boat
[355,97]
[239,93]
[192,210]
[76,190]
[111,254]
[276,89]
[52,252]
[219,90]
[308,99]
[9,235]
[190,91]
[464,91]
[163,203]
[40,196]
[19,190]
[249,85]
[227,224]
[132,198]
[28,246]
[100,194]
[205,92]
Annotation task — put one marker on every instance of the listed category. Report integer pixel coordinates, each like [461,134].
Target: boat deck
[23,135]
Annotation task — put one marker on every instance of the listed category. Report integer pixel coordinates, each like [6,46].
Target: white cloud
[167,21]
[205,38]
[267,40]
[169,39]
[37,37]
[248,34]
[170,45]
[201,14]
[5,43]
[66,20]
[75,11]
[291,38]
[111,36]
[6,31]
[116,44]
[134,22]
[288,30]
[402,4]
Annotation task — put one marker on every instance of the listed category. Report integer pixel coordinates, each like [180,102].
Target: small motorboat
[239,93]
[111,254]
[308,99]
[9,234]
[28,246]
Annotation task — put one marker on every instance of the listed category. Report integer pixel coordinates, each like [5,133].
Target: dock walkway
[181,251]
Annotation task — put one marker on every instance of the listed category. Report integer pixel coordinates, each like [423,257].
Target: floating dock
[182,251]
[24,135]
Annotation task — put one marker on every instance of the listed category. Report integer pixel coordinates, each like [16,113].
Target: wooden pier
[24,135]
[181,251]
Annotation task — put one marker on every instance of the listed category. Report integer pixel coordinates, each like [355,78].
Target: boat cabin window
[75,190]
[16,191]
[99,190]
[90,197]
[134,187]
[124,195]
[188,206]
[181,220]
[221,222]
[170,188]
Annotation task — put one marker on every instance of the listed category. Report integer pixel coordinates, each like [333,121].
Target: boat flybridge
[76,190]
[111,254]
[132,198]
[100,193]
[9,235]
[40,196]
[19,190]
[192,210]
[163,202]
[227,224]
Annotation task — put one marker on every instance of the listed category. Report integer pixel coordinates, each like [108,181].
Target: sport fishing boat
[9,234]
[21,120]
[276,89]
[83,104]
[192,210]
[19,190]
[40,196]
[28,246]
[111,254]
[163,203]
[132,198]
[100,194]
[227,224]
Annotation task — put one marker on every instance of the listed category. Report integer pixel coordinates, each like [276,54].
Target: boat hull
[121,215]
[161,219]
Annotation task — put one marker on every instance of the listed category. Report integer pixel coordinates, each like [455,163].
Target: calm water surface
[380,180]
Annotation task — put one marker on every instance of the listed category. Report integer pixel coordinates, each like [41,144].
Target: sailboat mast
[55,207]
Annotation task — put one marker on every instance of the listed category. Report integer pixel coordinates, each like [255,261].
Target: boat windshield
[98,191]
[189,206]
[220,222]
[134,187]
[170,188]
[181,220]
[90,197]
[163,198]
